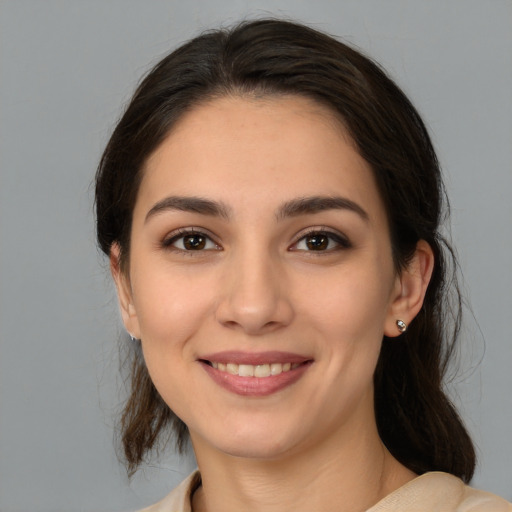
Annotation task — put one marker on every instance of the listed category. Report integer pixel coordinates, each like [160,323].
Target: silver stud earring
[132,337]
[402,326]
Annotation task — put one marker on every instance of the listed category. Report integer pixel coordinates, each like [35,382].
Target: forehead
[274,146]
[261,118]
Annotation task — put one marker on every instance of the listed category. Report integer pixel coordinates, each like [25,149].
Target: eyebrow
[190,204]
[293,208]
[317,204]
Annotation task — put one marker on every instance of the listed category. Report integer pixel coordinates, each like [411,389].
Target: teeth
[232,368]
[260,370]
[246,370]
[276,368]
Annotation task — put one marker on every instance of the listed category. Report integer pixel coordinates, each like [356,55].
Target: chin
[262,449]
[255,443]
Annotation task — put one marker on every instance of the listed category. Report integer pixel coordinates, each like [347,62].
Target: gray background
[66,69]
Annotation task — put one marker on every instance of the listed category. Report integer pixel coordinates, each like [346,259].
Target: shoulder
[434,491]
[179,499]
[440,491]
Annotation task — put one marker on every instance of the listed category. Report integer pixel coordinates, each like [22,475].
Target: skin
[259,284]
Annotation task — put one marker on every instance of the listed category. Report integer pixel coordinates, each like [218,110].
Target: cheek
[171,310]
[171,307]
[349,316]
[350,303]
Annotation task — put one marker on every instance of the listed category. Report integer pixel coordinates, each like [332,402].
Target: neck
[342,473]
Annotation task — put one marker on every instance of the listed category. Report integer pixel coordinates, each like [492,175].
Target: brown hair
[416,420]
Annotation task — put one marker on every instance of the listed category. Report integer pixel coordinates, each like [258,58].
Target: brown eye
[322,241]
[317,242]
[190,241]
[194,242]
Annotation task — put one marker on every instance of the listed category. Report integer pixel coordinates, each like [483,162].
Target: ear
[410,288]
[124,293]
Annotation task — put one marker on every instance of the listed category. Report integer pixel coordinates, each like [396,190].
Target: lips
[250,374]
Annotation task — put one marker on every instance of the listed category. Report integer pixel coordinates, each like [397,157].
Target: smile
[255,375]
[260,370]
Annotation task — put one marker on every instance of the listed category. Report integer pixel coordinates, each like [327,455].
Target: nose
[255,298]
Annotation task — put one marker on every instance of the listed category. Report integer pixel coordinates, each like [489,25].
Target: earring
[402,326]
[132,337]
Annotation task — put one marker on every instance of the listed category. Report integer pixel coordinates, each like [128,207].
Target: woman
[270,203]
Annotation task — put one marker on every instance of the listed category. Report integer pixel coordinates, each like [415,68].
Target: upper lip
[254,358]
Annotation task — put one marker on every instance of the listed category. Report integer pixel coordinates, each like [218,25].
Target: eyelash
[340,240]
[183,233]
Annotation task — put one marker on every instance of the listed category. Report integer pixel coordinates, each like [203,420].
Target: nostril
[254,311]
[230,323]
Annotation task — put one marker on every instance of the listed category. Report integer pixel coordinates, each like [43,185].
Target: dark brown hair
[416,420]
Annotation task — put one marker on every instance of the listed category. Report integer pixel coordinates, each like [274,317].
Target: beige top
[431,492]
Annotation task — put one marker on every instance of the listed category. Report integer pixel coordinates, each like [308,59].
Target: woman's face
[260,246]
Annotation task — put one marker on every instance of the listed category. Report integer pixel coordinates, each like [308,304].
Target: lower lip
[256,386]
